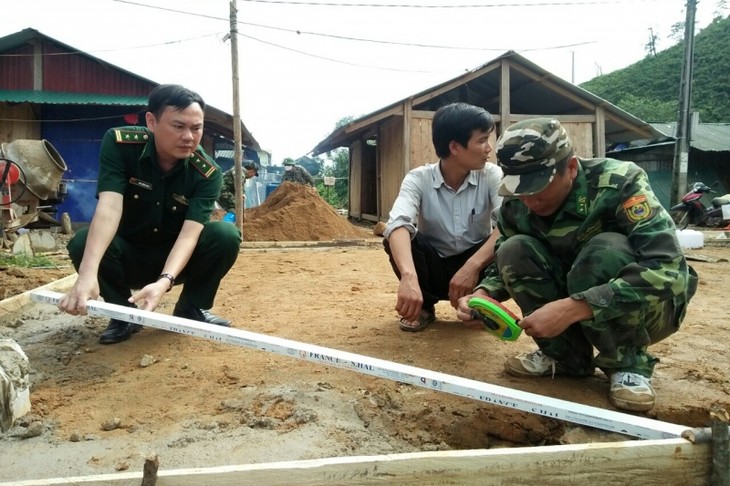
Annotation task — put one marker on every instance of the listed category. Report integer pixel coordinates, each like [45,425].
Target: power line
[339,61]
[349,63]
[448,6]
[357,39]
[130,48]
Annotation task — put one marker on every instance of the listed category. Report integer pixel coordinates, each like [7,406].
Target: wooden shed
[52,91]
[385,145]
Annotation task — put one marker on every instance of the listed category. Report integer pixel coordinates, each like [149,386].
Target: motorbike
[693,211]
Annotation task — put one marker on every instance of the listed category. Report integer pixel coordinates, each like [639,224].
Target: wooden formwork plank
[664,462]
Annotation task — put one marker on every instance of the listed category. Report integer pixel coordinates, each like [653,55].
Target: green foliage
[24,261]
[649,109]
[651,86]
[338,166]
[313,166]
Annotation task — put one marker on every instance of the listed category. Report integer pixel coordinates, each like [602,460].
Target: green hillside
[649,89]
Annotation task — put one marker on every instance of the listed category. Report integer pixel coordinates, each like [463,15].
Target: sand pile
[296,212]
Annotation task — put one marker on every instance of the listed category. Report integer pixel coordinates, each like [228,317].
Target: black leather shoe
[200,315]
[118,331]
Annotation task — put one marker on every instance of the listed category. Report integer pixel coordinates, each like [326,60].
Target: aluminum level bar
[632,425]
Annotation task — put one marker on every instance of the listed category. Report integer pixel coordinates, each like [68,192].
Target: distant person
[227,198]
[151,228]
[439,234]
[591,258]
[294,172]
[251,194]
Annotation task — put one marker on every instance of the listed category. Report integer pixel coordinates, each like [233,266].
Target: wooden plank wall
[422,151]
[356,177]
[21,129]
[581,134]
[391,163]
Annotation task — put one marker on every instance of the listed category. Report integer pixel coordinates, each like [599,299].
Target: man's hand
[74,302]
[462,284]
[410,298]
[150,295]
[554,318]
[463,311]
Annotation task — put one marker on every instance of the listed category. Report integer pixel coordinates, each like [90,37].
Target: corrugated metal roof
[56,98]
[708,137]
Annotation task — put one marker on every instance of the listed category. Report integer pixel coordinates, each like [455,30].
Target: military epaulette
[201,162]
[131,136]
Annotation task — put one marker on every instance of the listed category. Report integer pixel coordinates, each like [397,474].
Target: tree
[648,109]
[337,166]
[651,45]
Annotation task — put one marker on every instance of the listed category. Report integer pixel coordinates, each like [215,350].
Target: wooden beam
[544,80]
[407,107]
[599,133]
[454,84]
[642,132]
[504,98]
[560,118]
[396,110]
[662,462]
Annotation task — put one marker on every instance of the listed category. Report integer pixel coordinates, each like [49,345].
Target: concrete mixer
[30,183]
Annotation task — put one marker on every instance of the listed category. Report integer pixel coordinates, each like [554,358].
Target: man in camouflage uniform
[151,228]
[227,199]
[590,257]
[296,173]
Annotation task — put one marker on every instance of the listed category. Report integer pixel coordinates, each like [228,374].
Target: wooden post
[238,170]
[720,457]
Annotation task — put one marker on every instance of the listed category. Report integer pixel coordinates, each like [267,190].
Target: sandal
[424,320]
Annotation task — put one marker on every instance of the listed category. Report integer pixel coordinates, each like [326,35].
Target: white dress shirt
[451,221]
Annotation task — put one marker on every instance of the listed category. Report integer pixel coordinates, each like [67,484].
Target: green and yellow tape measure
[496,318]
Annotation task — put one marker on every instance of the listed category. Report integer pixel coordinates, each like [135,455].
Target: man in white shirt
[440,235]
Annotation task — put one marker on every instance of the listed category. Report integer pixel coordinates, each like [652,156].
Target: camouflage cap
[528,153]
[251,166]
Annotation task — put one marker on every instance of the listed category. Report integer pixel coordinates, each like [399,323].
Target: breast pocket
[480,225]
[176,207]
[138,199]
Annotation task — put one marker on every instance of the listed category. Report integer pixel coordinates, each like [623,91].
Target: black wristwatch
[168,277]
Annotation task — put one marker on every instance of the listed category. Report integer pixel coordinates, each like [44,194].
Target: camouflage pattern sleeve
[227,198]
[492,282]
[607,196]
[660,273]
[298,174]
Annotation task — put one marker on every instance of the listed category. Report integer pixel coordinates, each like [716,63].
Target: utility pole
[237,143]
[572,67]
[681,148]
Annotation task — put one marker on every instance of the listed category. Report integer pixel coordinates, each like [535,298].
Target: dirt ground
[195,403]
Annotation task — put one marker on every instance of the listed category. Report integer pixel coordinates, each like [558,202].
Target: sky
[304,65]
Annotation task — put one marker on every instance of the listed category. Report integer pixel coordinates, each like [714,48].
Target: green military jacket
[607,196]
[227,198]
[298,174]
[156,204]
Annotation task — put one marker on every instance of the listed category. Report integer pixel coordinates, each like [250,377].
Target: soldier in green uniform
[227,199]
[294,172]
[590,257]
[151,228]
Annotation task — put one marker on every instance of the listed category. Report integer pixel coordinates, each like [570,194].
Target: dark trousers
[434,271]
[128,265]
